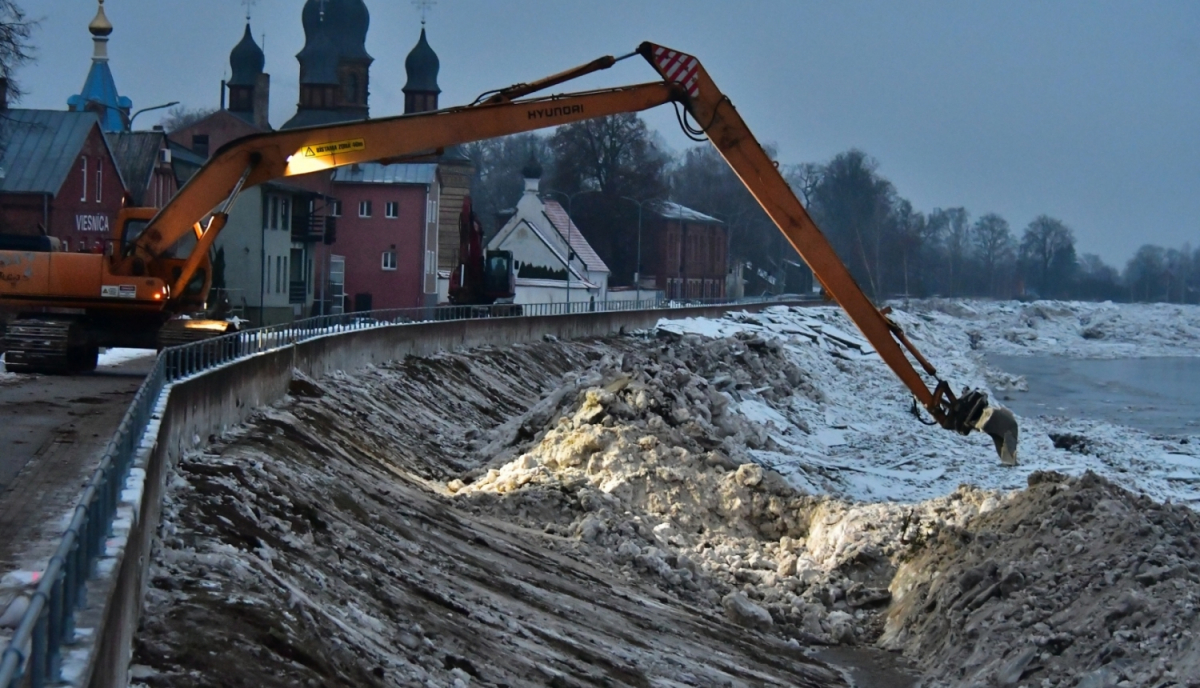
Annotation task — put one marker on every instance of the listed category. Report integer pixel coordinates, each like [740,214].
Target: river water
[1158,395]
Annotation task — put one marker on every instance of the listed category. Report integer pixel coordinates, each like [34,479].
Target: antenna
[249,4]
[423,6]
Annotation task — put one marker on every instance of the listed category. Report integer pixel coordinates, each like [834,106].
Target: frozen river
[1158,395]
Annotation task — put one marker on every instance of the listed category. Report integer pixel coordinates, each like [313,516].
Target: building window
[364,209]
[200,145]
[99,180]
[83,177]
[392,210]
[278,274]
[389,259]
[335,209]
[284,213]
[268,280]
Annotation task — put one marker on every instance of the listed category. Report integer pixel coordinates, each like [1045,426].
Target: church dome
[422,66]
[100,26]
[346,22]
[532,168]
[319,59]
[246,61]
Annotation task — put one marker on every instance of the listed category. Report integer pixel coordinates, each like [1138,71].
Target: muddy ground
[590,513]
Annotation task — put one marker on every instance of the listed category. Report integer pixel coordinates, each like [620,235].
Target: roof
[674,211]
[422,67]
[136,154]
[291,189]
[347,22]
[184,162]
[100,94]
[40,148]
[376,173]
[570,231]
[246,60]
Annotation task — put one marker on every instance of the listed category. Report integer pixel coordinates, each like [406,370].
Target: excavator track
[46,345]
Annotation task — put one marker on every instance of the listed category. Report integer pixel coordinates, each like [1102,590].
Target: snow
[113,357]
[1071,329]
[862,443]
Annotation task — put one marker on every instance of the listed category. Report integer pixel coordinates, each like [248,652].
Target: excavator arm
[259,158]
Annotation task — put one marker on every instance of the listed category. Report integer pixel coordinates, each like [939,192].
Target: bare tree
[180,117]
[613,156]
[15,50]
[994,247]
[1048,254]
[499,165]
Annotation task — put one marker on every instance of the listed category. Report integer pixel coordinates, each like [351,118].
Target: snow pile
[648,468]
[854,437]
[1069,328]
[1070,582]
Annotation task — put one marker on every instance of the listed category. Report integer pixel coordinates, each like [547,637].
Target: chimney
[262,101]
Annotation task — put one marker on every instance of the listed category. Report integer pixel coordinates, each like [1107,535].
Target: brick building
[59,177]
[684,253]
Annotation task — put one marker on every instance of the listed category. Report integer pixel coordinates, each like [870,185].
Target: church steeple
[99,92]
[249,86]
[334,64]
[422,66]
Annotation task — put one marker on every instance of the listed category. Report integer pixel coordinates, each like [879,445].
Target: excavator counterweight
[142,283]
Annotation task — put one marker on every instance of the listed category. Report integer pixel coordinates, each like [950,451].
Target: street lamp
[570,250]
[156,107]
[637,274]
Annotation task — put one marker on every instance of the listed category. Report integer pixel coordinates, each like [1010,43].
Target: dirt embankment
[318,547]
[609,526]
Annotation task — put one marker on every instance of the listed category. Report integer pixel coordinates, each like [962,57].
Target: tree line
[892,249]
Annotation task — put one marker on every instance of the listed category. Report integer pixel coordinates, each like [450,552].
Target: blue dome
[246,61]
[422,66]
[346,21]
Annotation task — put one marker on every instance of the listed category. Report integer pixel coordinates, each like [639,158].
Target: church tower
[99,93]
[249,86]
[334,64]
[422,65]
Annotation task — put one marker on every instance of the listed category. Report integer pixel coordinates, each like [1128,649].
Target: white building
[538,234]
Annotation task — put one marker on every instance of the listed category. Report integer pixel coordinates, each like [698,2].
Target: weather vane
[249,4]
[423,6]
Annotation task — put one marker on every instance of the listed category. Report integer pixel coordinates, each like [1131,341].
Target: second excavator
[73,303]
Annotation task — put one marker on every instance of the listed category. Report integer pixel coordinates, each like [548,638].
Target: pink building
[384,217]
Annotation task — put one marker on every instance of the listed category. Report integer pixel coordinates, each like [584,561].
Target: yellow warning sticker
[320,150]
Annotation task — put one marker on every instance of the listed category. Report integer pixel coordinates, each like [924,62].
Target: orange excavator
[160,268]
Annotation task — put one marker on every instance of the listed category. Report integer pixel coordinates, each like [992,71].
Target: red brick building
[60,177]
[685,253]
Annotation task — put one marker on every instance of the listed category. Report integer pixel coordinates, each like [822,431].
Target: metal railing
[48,623]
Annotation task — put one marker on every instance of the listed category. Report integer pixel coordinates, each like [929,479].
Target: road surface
[53,431]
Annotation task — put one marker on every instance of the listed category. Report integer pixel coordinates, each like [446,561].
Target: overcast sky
[1088,111]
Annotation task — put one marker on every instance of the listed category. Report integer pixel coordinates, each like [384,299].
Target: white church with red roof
[539,234]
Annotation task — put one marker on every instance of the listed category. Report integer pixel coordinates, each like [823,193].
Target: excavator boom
[684,81]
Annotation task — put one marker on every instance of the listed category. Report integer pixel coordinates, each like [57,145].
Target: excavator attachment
[971,411]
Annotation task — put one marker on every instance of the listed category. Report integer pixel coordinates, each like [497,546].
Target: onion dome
[246,61]
[422,66]
[100,26]
[532,168]
[319,60]
[346,21]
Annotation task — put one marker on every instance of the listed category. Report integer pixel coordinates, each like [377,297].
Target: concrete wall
[211,403]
